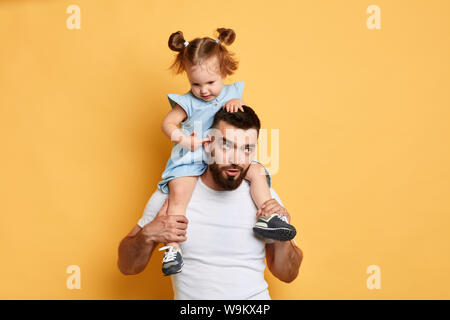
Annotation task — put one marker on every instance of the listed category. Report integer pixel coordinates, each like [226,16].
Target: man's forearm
[134,254]
[286,260]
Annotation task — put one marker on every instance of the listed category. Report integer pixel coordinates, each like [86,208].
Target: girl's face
[206,80]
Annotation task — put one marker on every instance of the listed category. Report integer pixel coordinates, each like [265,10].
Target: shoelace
[282,217]
[170,255]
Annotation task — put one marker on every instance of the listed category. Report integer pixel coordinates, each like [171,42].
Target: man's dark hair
[242,120]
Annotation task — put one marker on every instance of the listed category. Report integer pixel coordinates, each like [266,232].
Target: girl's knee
[180,187]
[256,172]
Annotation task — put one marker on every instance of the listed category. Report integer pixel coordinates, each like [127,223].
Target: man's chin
[227,182]
[224,180]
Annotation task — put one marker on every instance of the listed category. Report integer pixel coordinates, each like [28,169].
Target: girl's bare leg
[180,194]
[259,187]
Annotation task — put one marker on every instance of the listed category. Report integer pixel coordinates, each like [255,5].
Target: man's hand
[272,206]
[165,228]
[234,105]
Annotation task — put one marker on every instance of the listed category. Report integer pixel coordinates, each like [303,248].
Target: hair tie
[217,40]
[186,43]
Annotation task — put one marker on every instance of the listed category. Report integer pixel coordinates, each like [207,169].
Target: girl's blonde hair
[199,50]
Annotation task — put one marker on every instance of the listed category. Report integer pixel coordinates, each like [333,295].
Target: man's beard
[225,181]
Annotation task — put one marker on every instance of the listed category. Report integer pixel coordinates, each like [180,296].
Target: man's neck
[208,180]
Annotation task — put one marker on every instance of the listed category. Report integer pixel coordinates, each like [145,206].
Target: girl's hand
[192,142]
[234,105]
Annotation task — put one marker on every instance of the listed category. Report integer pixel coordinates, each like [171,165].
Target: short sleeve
[152,208]
[183,101]
[239,86]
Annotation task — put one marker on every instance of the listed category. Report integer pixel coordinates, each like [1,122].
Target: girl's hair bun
[176,41]
[226,36]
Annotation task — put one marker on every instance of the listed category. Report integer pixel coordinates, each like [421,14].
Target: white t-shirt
[223,259]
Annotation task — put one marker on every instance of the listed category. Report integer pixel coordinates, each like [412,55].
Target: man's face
[231,152]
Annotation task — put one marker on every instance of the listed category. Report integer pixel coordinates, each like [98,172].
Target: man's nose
[234,157]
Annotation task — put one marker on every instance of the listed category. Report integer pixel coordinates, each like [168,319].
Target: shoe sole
[169,274]
[280,234]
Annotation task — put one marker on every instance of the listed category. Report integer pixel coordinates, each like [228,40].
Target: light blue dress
[200,115]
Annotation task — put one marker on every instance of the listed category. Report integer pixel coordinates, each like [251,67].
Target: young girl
[207,63]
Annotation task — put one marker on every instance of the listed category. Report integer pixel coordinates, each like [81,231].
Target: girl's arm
[171,122]
[170,127]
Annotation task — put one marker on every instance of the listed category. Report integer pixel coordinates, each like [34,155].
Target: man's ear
[207,146]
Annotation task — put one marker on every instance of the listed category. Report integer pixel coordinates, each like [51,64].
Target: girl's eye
[211,82]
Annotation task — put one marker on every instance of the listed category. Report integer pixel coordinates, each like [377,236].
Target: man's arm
[137,247]
[283,258]
[135,252]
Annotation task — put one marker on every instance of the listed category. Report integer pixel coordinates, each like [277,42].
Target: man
[223,259]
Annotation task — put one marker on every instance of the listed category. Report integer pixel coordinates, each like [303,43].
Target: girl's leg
[259,188]
[180,193]
[272,226]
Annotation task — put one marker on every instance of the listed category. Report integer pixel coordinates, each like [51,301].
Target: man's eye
[226,146]
[248,149]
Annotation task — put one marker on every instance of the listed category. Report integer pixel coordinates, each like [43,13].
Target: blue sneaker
[274,227]
[172,261]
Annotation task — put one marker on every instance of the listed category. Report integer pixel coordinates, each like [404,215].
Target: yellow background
[363,117]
